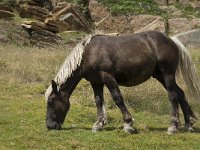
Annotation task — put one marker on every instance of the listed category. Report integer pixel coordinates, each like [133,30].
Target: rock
[178,25]
[196,4]
[161,2]
[184,1]
[190,39]
[165,2]
[138,23]
[156,25]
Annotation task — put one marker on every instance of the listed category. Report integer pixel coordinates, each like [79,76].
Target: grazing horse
[127,60]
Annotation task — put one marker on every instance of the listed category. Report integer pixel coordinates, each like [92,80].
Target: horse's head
[57,108]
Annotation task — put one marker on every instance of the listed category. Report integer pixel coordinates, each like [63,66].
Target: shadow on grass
[158,129]
[181,129]
[85,128]
[153,129]
[77,128]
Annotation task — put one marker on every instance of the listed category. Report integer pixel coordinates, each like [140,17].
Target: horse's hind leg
[174,103]
[176,95]
[112,86]
[101,116]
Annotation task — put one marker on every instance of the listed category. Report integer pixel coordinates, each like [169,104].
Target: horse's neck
[70,84]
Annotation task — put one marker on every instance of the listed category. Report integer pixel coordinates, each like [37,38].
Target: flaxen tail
[188,68]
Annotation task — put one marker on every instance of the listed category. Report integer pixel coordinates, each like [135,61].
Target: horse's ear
[54,86]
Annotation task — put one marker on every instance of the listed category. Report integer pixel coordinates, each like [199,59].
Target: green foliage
[188,10]
[133,7]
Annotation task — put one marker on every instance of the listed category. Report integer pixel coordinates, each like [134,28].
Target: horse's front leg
[112,85]
[101,116]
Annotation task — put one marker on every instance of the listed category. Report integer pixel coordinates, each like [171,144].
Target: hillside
[110,17]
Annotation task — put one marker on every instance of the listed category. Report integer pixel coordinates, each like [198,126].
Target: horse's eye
[51,103]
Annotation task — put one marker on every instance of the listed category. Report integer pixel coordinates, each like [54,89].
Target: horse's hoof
[129,129]
[98,126]
[172,130]
[190,129]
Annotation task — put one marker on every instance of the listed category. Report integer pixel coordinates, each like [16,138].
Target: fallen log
[62,26]
[6,14]
[6,8]
[42,25]
[25,12]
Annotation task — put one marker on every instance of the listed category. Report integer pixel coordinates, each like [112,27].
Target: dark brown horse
[122,60]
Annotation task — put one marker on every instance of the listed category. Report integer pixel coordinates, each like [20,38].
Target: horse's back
[132,59]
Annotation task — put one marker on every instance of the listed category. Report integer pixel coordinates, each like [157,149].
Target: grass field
[26,72]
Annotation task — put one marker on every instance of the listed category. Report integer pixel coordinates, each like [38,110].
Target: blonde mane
[72,61]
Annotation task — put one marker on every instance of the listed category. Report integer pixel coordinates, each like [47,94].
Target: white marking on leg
[171,130]
[128,127]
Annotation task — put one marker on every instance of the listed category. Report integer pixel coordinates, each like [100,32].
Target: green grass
[25,74]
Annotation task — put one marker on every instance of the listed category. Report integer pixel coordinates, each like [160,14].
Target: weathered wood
[6,14]
[33,3]
[59,8]
[38,9]
[56,15]
[42,25]
[29,13]
[72,20]
[31,28]
[6,8]
[38,37]
[85,23]
[62,26]
[69,15]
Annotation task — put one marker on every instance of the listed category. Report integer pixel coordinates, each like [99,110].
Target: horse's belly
[133,81]
[134,76]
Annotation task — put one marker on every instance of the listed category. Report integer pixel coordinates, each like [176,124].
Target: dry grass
[30,64]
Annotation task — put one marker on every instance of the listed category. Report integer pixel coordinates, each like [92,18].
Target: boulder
[138,23]
[179,25]
[196,4]
[184,1]
[147,22]
[190,39]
